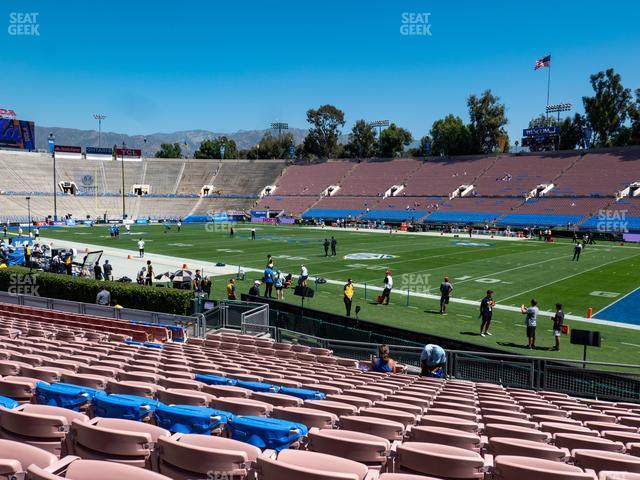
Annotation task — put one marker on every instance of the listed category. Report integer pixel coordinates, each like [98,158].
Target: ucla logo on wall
[368,256]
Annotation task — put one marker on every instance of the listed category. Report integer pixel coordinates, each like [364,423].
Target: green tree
[362,141]
[393,140]
[608,108]
[322,139]
[572,132]
[487,121]
[543,120]
[450,137]
[634,114]
[210,148]
[421,150]
[169,150]
[272,146]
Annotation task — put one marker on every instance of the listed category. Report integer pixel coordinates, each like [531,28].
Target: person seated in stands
[433,360]
[383,362]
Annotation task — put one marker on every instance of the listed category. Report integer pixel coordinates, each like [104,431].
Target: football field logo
[368,256]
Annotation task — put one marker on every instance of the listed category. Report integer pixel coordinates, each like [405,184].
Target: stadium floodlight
[28,199]
[379,124]
[100,117]
[124,211]
[52,149]
[279,126]
[559,107]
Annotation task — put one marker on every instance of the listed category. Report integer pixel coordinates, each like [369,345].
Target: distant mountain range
[244,139]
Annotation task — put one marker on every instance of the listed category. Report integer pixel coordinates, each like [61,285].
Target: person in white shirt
[304,275]
[388,285]
[127,227]
[141,248]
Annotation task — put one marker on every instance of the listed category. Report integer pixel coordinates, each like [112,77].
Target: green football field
[515,270]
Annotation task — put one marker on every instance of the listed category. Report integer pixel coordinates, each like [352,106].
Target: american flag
[543,62]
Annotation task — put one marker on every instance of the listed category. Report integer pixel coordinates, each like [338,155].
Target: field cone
[128,257]
[589,312]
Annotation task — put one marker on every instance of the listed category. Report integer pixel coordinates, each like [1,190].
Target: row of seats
[360,424]
[20,316]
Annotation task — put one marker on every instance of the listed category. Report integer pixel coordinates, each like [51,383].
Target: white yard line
[162,262]
[568,277]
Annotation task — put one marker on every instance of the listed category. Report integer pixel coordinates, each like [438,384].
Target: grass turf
[516,271]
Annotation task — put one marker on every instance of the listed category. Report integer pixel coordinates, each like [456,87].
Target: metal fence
[195,325]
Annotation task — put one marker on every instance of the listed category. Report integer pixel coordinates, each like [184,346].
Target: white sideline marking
[619,300]
[630,344]
[568,277]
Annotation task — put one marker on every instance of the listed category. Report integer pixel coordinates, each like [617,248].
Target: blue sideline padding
[215,379]
[303,393]
[258,386]
[8,403]
[127,407]
[191,419]
[271,433]
[65,395]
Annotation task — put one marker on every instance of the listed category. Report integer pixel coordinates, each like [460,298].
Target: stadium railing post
[365,291]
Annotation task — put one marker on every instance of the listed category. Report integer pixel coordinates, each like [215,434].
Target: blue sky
[223,66]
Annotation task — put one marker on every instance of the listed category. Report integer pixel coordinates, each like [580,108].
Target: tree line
[611,118]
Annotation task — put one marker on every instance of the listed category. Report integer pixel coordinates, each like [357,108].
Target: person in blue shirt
[433,359]
[268,282]
[383,362]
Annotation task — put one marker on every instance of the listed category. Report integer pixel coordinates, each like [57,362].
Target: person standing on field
[558,321]
[531,321]
[577,250]
[445,291]
[486,313]
[348,296]
[334,242]
[141,248]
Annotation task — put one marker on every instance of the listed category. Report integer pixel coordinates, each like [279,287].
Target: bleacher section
[249,408]
[175,186]
[496,188]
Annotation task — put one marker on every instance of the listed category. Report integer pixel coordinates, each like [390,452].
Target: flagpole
[548,83]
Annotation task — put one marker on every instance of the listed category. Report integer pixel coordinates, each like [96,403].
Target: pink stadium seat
[189,456]
[115,440]
[15,457]
[440,461]
[75,468]
[508,467]
[304,465]
[356,446]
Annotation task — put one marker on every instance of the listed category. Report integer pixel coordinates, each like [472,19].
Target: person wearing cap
[255,289]
[348,296]
[433,359]
[445,291]
[388,285]
[531,321]
[486,313]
